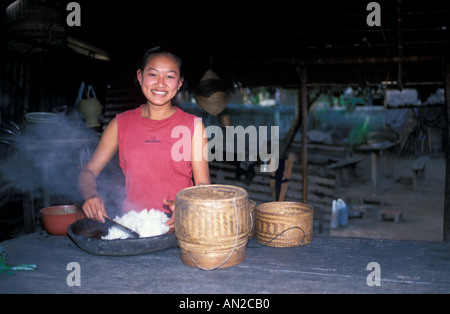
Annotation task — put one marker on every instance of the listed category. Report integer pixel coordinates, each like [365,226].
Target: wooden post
[27,191]
[293,128]
[446,233]
[304,105]
[374,170]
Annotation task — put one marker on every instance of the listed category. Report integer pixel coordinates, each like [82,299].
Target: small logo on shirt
[153,140]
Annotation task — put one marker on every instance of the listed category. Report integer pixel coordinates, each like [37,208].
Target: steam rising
[48,156]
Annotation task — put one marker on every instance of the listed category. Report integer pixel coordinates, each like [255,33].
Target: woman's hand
[94,208]
[171,222]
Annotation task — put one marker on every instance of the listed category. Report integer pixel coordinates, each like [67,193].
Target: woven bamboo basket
[29,24]
[213,104]
[213,98]
[212,224]
[252,212]
[284,224]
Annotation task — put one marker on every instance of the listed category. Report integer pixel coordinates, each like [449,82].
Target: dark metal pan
[87,235]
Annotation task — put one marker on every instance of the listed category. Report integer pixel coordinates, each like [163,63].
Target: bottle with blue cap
[343,212]
[334,215]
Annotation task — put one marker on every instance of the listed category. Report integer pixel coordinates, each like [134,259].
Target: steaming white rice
[147,223]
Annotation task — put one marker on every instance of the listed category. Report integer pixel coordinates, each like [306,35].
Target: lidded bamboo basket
[212,225]
[284,224]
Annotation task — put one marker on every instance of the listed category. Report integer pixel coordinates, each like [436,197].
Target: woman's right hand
[94,208]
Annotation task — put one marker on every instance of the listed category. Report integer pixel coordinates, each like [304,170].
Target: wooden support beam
[286,143]
[304,106]
[27,192]
[446,230]
[371,60]
[293,128]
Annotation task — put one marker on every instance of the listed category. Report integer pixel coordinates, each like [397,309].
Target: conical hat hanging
[211,94]
[209,75]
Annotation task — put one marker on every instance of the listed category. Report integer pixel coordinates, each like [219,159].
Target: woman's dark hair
[157,51]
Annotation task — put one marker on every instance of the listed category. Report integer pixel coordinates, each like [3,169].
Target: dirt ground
[422,211]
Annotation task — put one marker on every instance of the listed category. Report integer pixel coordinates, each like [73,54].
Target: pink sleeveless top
[145,145]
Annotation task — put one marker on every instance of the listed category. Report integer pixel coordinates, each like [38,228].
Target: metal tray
[87,235]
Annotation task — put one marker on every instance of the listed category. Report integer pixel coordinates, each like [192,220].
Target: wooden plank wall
[121,97]
[15,72]
[46,81]
[321,188]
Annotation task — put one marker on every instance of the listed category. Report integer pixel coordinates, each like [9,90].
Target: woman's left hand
[171,222]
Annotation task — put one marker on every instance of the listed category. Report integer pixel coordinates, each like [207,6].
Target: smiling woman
[143,140]
[160,79]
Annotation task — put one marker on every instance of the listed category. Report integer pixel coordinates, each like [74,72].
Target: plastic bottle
[343,212]
[334,215]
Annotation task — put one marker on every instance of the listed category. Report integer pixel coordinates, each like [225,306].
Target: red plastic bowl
[56,219]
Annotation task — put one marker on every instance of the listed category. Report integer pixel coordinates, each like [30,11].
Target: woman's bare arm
[94,206]
[200,166]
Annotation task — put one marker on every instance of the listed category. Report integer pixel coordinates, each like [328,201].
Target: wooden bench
[395,215]
[418,169]
[345,169]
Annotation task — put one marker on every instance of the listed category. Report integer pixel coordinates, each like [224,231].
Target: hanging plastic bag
[79,97]
[90,108]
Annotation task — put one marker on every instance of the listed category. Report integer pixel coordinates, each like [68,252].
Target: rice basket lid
[284,208]
[211,192]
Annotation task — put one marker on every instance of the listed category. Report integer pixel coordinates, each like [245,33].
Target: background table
[376,150]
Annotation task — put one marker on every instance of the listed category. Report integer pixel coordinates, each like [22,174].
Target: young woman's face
[160,79]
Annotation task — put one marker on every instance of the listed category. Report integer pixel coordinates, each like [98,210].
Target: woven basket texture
[213,104]
[206,225]
[30,23]
[211,96]
[252,212]
[274,220]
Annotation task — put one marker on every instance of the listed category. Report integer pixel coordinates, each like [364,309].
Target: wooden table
[376,150]
[326,265]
